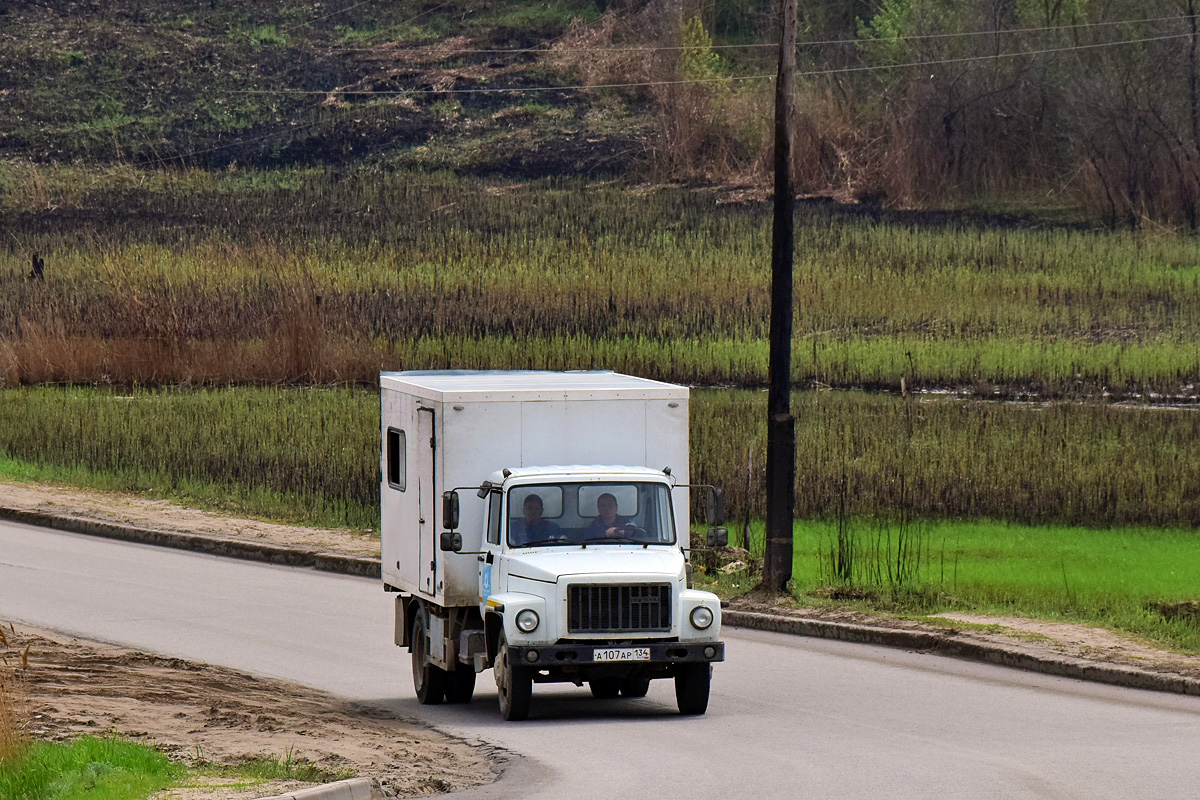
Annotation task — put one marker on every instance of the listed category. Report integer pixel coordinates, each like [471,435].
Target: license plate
[622,654]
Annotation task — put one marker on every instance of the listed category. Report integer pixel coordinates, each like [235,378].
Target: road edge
[948,643]
[228,548]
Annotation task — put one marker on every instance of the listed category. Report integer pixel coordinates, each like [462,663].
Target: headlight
[527,620]
[701,618]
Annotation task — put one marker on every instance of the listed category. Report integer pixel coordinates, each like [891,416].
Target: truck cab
[584,578]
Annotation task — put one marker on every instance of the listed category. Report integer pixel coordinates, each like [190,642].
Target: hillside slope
[247,82]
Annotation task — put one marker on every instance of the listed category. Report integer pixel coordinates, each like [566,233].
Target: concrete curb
[951,643]
[349,789]
[229,548]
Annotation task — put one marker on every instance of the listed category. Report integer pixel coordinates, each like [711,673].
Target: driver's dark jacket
[599,527]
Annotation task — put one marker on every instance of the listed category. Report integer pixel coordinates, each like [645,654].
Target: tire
[460,684]
[514,684]
[605,688]
[635,686]
[692,682]
[429,681]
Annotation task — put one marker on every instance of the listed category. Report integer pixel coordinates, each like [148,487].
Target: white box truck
[537,523]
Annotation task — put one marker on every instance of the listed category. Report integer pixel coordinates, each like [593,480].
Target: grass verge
[91,768]
[109,768]
[1115,578]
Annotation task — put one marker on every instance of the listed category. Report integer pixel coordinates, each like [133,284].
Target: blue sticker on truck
[485,584]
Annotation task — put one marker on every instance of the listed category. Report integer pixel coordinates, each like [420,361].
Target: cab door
[426,451]
[488,562]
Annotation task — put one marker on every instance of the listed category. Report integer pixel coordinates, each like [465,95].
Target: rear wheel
[429,680]
[635,686]
[692,682]
[460,685]
[514,684]
[605,688]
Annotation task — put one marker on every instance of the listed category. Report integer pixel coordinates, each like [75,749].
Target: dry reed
[304,277]
[14,711]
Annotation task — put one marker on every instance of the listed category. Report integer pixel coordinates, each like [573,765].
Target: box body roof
[450,386]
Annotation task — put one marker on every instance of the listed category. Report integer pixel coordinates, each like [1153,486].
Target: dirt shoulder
[199,712]
[162,515]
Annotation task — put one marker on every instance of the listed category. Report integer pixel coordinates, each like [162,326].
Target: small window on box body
[396,471]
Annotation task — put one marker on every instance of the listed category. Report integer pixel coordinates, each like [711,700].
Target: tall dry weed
[27,187]
[14,696]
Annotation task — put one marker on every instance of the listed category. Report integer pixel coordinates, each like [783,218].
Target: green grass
[1111,577]
[109,768]
[87,769]
[312,455]
[306,456]
[285,767]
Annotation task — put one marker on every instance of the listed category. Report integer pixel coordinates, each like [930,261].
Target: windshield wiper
[619,539]
[550,540]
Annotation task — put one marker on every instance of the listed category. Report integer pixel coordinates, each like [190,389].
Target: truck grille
[608,608]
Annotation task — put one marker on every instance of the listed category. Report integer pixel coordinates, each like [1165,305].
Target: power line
[549,48]
[341,11]
[1007,31]
[966,59]
[504,90]
[433,48]
[500,89]
[639,84]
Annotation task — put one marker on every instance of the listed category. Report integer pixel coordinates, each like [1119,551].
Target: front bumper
[568,653]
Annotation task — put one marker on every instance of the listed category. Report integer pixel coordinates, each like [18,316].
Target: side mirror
[450,510]
[717,537]
[451,542]
[716,506]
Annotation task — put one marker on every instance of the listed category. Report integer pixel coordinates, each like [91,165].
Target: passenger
[608,523]
[532,528]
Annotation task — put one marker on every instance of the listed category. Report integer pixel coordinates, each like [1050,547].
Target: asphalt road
[789,717]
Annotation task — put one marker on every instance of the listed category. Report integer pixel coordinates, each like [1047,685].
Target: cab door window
[495,521]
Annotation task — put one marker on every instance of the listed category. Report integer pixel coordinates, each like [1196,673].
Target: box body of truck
[450,429]
[570,440]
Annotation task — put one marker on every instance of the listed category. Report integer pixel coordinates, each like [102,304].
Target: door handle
[489,558]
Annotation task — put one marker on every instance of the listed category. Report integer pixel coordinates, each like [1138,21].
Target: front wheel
[429,680]
[514,684]
[692,682]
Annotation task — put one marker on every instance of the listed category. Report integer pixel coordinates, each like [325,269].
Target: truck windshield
[590,513]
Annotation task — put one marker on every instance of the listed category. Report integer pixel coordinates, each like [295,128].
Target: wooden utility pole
[781,427]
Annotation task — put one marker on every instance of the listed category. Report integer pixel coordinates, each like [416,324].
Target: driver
[608,523]
[532,528]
